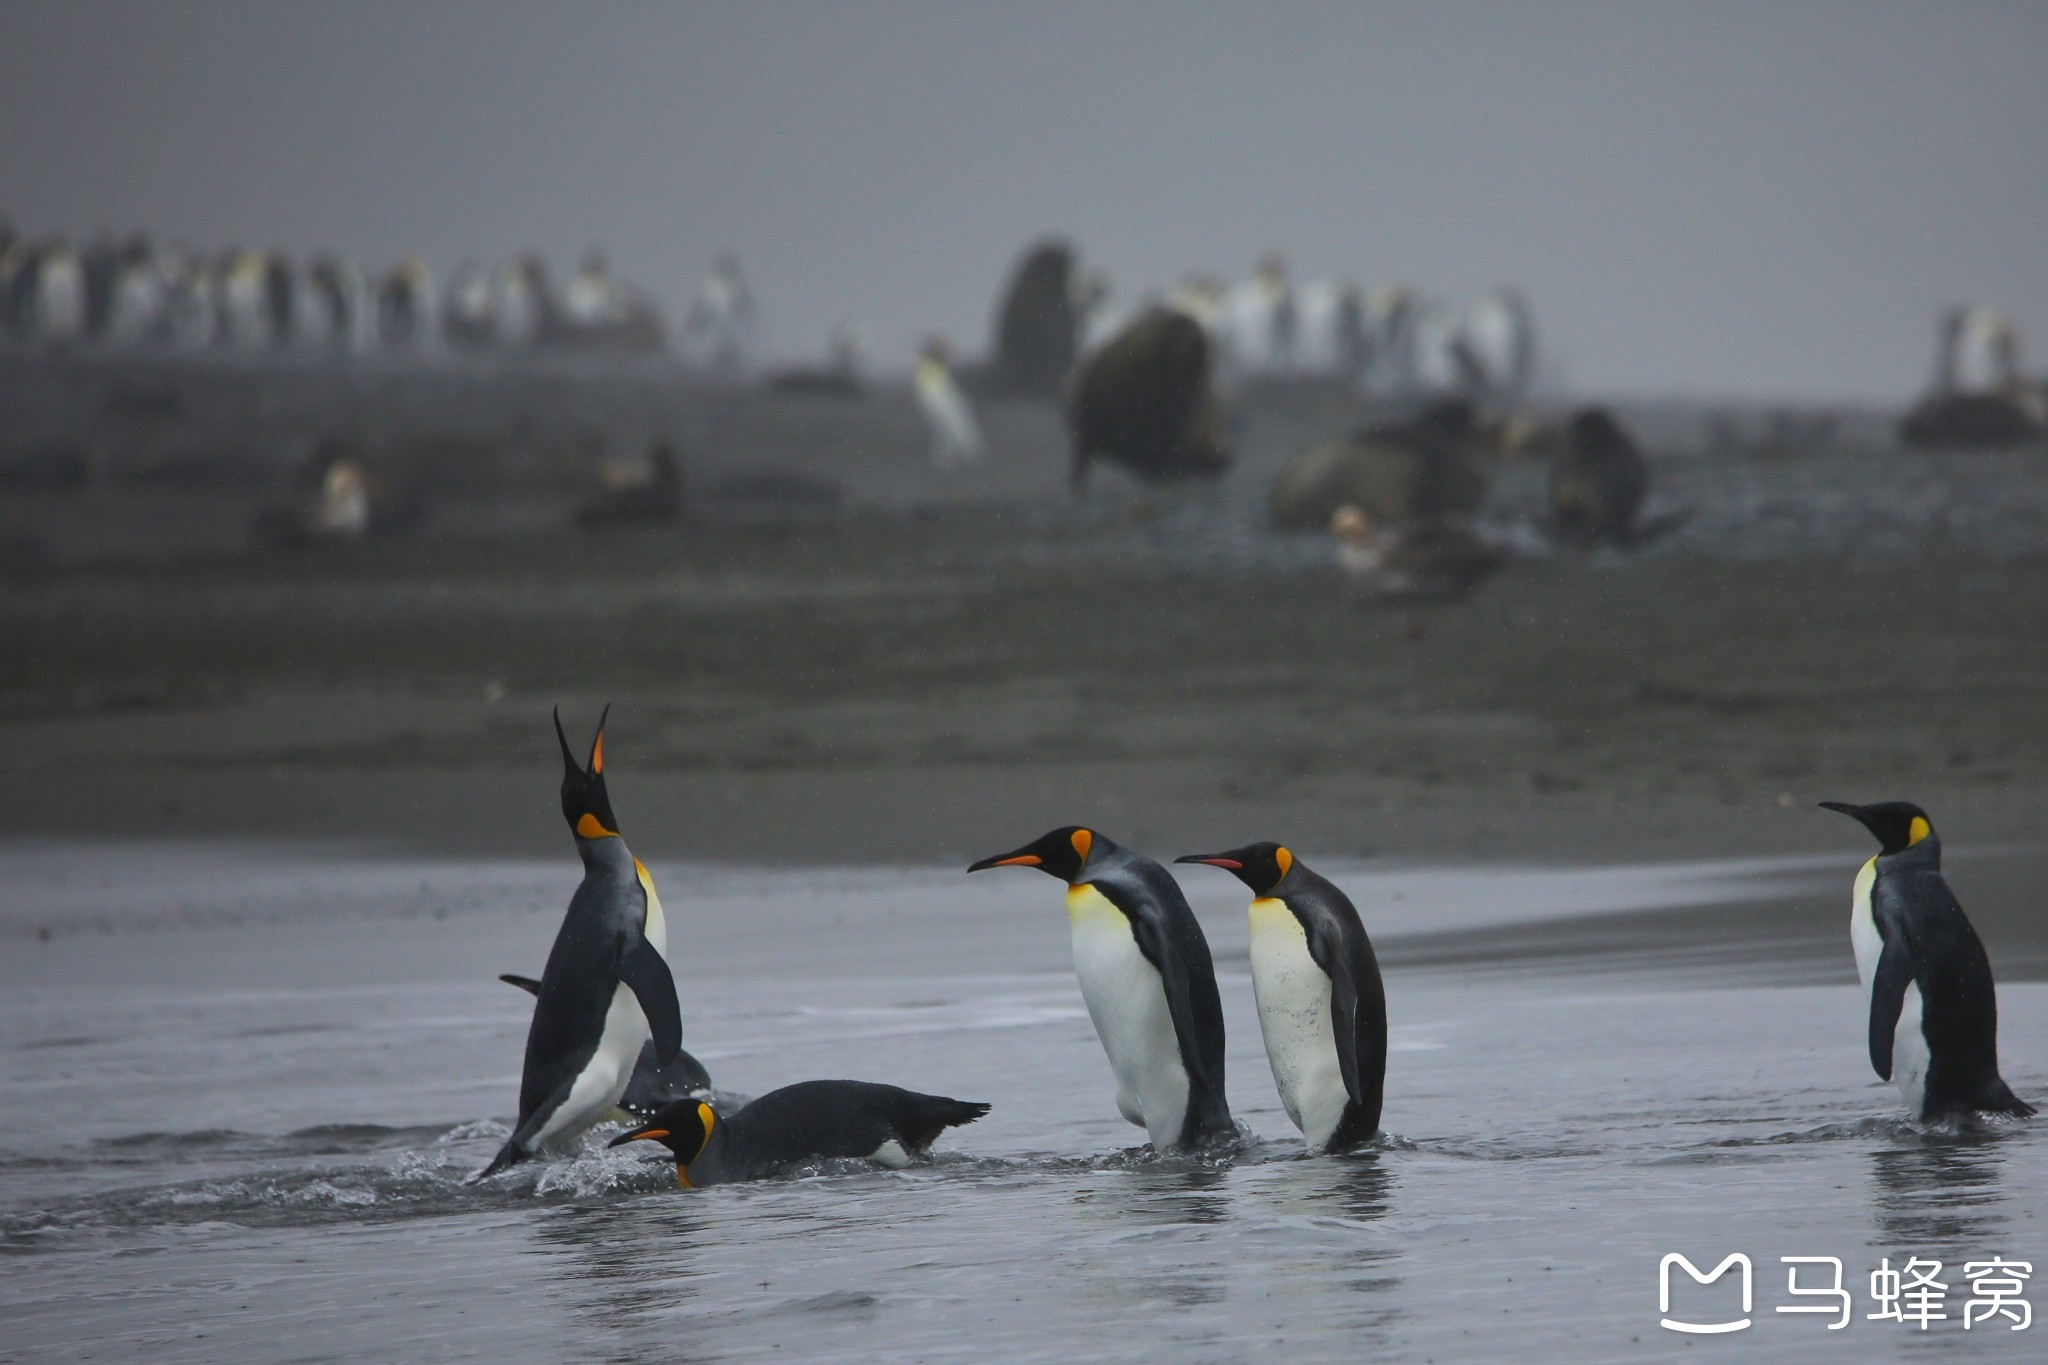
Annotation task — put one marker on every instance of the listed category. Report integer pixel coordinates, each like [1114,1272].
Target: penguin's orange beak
[1007,860]
[1213,860]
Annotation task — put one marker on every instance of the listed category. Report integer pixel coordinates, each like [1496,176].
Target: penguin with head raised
[1321,1005]
[606,988]
[808,1121]
[1932,1007]
[1148,980]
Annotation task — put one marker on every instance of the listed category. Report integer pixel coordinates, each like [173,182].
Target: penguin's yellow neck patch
[588,826]
[1918,830]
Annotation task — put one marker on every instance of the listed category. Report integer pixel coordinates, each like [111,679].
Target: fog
[1698,200]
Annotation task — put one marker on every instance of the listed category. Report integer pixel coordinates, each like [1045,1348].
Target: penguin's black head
[1262,867]
[1062,853]
[1898,825]
[684,1128]
[584,803]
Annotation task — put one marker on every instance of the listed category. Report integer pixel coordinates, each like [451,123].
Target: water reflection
[627,1260]
[1940,1190]
[1155,1232]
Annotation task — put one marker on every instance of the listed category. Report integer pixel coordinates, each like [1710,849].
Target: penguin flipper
[645,972]
[524,983]
[1887,999]
[1202,1126]
[1358,1005]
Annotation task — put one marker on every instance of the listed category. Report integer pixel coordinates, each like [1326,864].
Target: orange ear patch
[588,826]
[1083,841]
[707,1116]
[1284,860]
[1918,830]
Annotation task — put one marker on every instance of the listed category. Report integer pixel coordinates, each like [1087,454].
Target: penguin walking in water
[606,988]
[1933,1009]
[808,1121]
[1322,1008]
[1149,983]
[654,1084]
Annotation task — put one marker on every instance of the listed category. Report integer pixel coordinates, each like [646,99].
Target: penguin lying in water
[1322,1008]
[606,989]
[808,1121]
[653,1085]
[1933,1009]
[1149,983]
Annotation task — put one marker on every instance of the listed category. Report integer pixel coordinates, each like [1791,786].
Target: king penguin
[808,1121]
[1148,980]
[606,988]
[1321,1005]
[1933,1009]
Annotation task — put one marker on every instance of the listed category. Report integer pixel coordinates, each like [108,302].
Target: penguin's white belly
[1127,1000]
[598,1088]
[1909,1053]
[1293,995]
[1862,928]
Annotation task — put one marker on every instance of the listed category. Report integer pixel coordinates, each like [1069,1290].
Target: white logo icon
[1709,1328]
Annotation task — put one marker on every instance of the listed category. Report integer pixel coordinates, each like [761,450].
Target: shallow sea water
[244,1086]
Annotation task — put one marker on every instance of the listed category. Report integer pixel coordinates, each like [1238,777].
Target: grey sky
[1731,198]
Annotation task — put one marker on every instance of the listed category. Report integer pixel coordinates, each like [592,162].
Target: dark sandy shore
[885,689]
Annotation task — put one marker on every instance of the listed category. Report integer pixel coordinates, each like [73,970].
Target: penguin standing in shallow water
[1933,1009]
[808,1121]
[606,988]
[1150,985]
[1321,1005]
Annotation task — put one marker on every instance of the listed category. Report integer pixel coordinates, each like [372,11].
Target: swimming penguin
[1321,1005]
[808,1121]
[1147,977]
[606,988]
[653,1084]
[1933,1009]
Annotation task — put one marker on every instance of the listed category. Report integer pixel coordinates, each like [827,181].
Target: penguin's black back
[1911,903]
[814,1119]
[1358,999]
[1172,940]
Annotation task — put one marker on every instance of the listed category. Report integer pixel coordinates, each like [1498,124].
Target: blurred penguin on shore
[1040,320]
[1598,481]
[1428,560]
[655,498]
[956,434]
[1415,470]
[1145,400]
[1978,398]
[719,327]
